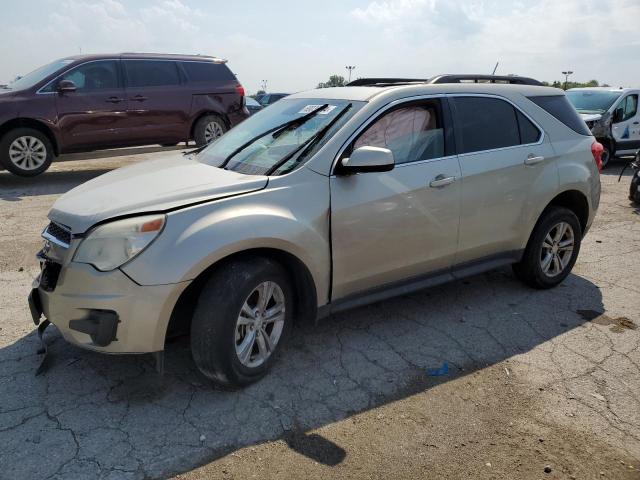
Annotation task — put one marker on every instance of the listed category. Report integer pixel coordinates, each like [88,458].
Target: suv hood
[152,186]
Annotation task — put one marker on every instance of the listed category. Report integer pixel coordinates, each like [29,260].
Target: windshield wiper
[308,143]
[275,131]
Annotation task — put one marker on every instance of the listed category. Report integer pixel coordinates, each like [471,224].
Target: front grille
[58,234]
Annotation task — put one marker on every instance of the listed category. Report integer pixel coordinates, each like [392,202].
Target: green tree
[334,81]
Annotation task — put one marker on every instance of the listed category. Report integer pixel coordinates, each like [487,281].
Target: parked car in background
[92,102]
[612,116]
[327,200]
[269,98]
[252,105]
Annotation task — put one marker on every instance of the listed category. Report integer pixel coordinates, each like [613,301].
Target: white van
[612,116]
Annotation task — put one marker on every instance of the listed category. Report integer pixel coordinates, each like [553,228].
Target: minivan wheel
[207,129]
[242,318]
[552,249]
[26,152]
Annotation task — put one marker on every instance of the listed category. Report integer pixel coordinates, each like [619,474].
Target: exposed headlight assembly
[111,245]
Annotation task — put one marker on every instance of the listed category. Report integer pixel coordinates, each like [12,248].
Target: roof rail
[450,78]
[383,82]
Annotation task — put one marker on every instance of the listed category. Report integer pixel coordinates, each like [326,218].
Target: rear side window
[485,123]
[529,133]
[561,108]
[151,73]
[207,72]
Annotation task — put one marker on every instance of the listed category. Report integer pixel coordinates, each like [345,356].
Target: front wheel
[242,318]
[26,152]
[552,249]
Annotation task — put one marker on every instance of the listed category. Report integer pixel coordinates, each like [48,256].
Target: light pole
[350,68]
[566,77]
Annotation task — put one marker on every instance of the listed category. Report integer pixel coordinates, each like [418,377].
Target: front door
[397,225]
[626,126]
[94,116]
[159,103]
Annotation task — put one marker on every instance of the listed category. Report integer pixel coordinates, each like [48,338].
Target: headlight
[110,245]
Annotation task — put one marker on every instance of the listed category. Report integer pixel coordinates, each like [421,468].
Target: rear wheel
[241,320]
[552,249]
[26,152]
[208,129]
[606,155]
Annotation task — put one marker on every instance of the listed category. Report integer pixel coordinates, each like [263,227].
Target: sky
[296,44]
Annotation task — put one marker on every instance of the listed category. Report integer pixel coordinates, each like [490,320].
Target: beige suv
[326,200]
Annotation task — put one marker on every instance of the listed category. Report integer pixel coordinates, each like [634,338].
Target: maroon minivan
[94,102]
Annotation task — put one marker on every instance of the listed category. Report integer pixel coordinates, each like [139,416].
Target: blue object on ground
[439,372]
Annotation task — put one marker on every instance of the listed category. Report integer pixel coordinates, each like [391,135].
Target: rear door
[504,158]
[95,114]
[392,226]
[158,102]
[626,129]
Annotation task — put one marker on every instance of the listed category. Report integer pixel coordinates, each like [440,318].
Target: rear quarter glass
[207,72]
[560,107]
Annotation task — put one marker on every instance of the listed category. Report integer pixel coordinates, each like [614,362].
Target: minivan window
[262,155]
[485,123]
[412,133]
[151,73]
[199,72]
[629,107]
[38,75]
[562,110]
[91,76]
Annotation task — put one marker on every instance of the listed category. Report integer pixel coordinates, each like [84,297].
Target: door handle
[533,160]
[139,98]
[636,123]
[441,181]
[114,99]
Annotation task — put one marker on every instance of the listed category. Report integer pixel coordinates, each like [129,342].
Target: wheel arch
[197,118]
[301,280]
[23,122]
[574,200]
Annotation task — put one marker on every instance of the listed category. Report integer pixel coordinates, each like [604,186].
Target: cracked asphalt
[531,384]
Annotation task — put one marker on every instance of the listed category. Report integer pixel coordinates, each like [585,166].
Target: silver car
[327,200]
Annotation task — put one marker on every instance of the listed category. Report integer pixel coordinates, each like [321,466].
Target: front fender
[292,218]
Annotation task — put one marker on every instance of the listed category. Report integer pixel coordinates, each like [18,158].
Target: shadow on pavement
[95,414]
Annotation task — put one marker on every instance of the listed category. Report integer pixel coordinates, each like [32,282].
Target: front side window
[151,73]
[412,133]
[92,76]
[630,107]
[485,123]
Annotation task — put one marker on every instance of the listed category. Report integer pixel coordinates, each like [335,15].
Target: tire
[207,129]
[26,152]
[531,269]
[217,339]
[606,155]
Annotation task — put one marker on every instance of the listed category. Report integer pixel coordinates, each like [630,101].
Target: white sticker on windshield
[311,108]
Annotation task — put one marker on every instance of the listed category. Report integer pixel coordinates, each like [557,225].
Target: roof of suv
[367,93]
[602,89]
[159,56]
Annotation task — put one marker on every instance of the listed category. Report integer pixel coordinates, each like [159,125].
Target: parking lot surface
[482,378]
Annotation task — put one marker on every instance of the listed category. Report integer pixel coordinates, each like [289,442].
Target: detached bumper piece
[35,305]
[100,325]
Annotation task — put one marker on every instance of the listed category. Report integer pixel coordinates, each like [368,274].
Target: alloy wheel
[557,249]
[212,131]
[27,153]
[260,324]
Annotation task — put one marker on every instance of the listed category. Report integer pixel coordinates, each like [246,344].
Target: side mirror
[618,114]
[66,86]
[367,159]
